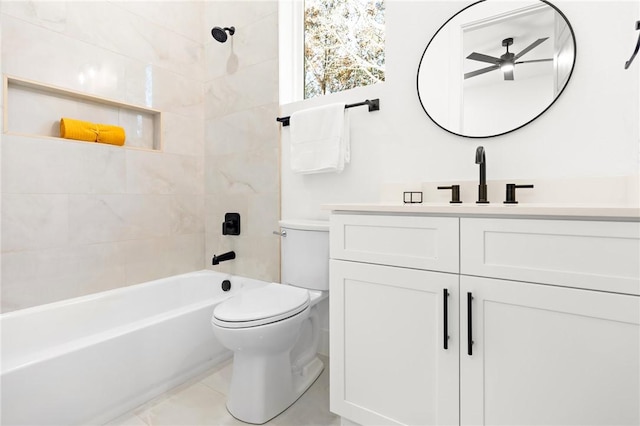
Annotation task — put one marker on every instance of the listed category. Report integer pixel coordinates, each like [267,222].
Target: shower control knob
[231,224]
[511,192]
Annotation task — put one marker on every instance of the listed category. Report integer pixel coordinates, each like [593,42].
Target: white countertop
[574,211]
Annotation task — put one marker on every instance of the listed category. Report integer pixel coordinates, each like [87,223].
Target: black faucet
[224,256]
[482,187]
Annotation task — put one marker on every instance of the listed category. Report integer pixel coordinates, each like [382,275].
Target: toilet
[274,330]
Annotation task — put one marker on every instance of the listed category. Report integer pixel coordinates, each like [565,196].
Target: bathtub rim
[100,294]
[60,349]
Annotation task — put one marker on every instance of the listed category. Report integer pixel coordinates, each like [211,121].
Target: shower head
[219,33]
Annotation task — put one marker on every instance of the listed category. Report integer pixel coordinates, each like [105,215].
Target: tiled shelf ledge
[35,109]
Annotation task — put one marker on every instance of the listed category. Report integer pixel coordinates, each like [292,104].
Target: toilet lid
[263,305]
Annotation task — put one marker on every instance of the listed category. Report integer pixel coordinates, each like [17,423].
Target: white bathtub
[90,359]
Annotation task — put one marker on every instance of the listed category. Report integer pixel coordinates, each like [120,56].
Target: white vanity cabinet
[389,364]
[555,322]
[543,321]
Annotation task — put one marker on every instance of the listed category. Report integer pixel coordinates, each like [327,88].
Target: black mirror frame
[575,54]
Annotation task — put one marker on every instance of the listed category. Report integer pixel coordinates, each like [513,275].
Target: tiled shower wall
[78,218]
[242,136]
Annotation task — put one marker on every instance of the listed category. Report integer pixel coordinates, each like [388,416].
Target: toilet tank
[305,253]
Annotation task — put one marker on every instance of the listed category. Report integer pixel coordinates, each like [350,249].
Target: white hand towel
[320,139]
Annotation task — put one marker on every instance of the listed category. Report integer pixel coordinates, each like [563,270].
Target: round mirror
[495,66]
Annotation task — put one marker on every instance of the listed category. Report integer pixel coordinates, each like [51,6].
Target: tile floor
[202,401]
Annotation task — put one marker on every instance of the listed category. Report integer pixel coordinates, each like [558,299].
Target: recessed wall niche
[35,109]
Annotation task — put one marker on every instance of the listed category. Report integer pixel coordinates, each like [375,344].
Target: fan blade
[535,60]
[531,46]
[508,74]
[483,58]
[480,71]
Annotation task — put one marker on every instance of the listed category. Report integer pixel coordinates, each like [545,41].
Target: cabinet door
[544,355]
[388,361]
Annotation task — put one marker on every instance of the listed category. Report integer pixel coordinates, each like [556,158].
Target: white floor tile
[203,403]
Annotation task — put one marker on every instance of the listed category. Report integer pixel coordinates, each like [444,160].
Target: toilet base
[263,387]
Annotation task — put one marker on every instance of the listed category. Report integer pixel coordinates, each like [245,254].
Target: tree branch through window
[344,45]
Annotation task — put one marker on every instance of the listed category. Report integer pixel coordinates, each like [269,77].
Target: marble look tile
[163,173]
[257,41]
[186,214]
[139,128]
[263,214]
[70,63]
[254,172]
[249,87]
[244,131]
[217,206]
[154,258]
[182,17]
[34,221]
[257,248]
[203,403]
[170,92]
[35,277]
[134,36]
[251,44]
[257,257]
[37,113]
[182,134]
[220,380]
[161,81]
[109,218]
[196,405]
[127,420]
[221,178]
[51,15]
[238,13]
[221,59]
[49,166]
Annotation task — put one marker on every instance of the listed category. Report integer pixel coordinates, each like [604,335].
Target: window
[327,46]
[343,45]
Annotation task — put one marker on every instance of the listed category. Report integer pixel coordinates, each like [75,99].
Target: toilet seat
[264,305]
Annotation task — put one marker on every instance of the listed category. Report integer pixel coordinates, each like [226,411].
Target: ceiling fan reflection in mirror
[506,63]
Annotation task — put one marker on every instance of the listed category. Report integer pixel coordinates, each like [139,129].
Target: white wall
[590,132]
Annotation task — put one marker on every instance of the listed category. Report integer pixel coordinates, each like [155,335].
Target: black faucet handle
[231,224]
[455,193]
[511,192]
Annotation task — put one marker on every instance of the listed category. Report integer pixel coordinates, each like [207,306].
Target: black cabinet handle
[469,325]
[445,309]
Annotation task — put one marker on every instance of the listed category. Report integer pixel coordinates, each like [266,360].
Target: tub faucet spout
[222,257]
[482,186]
